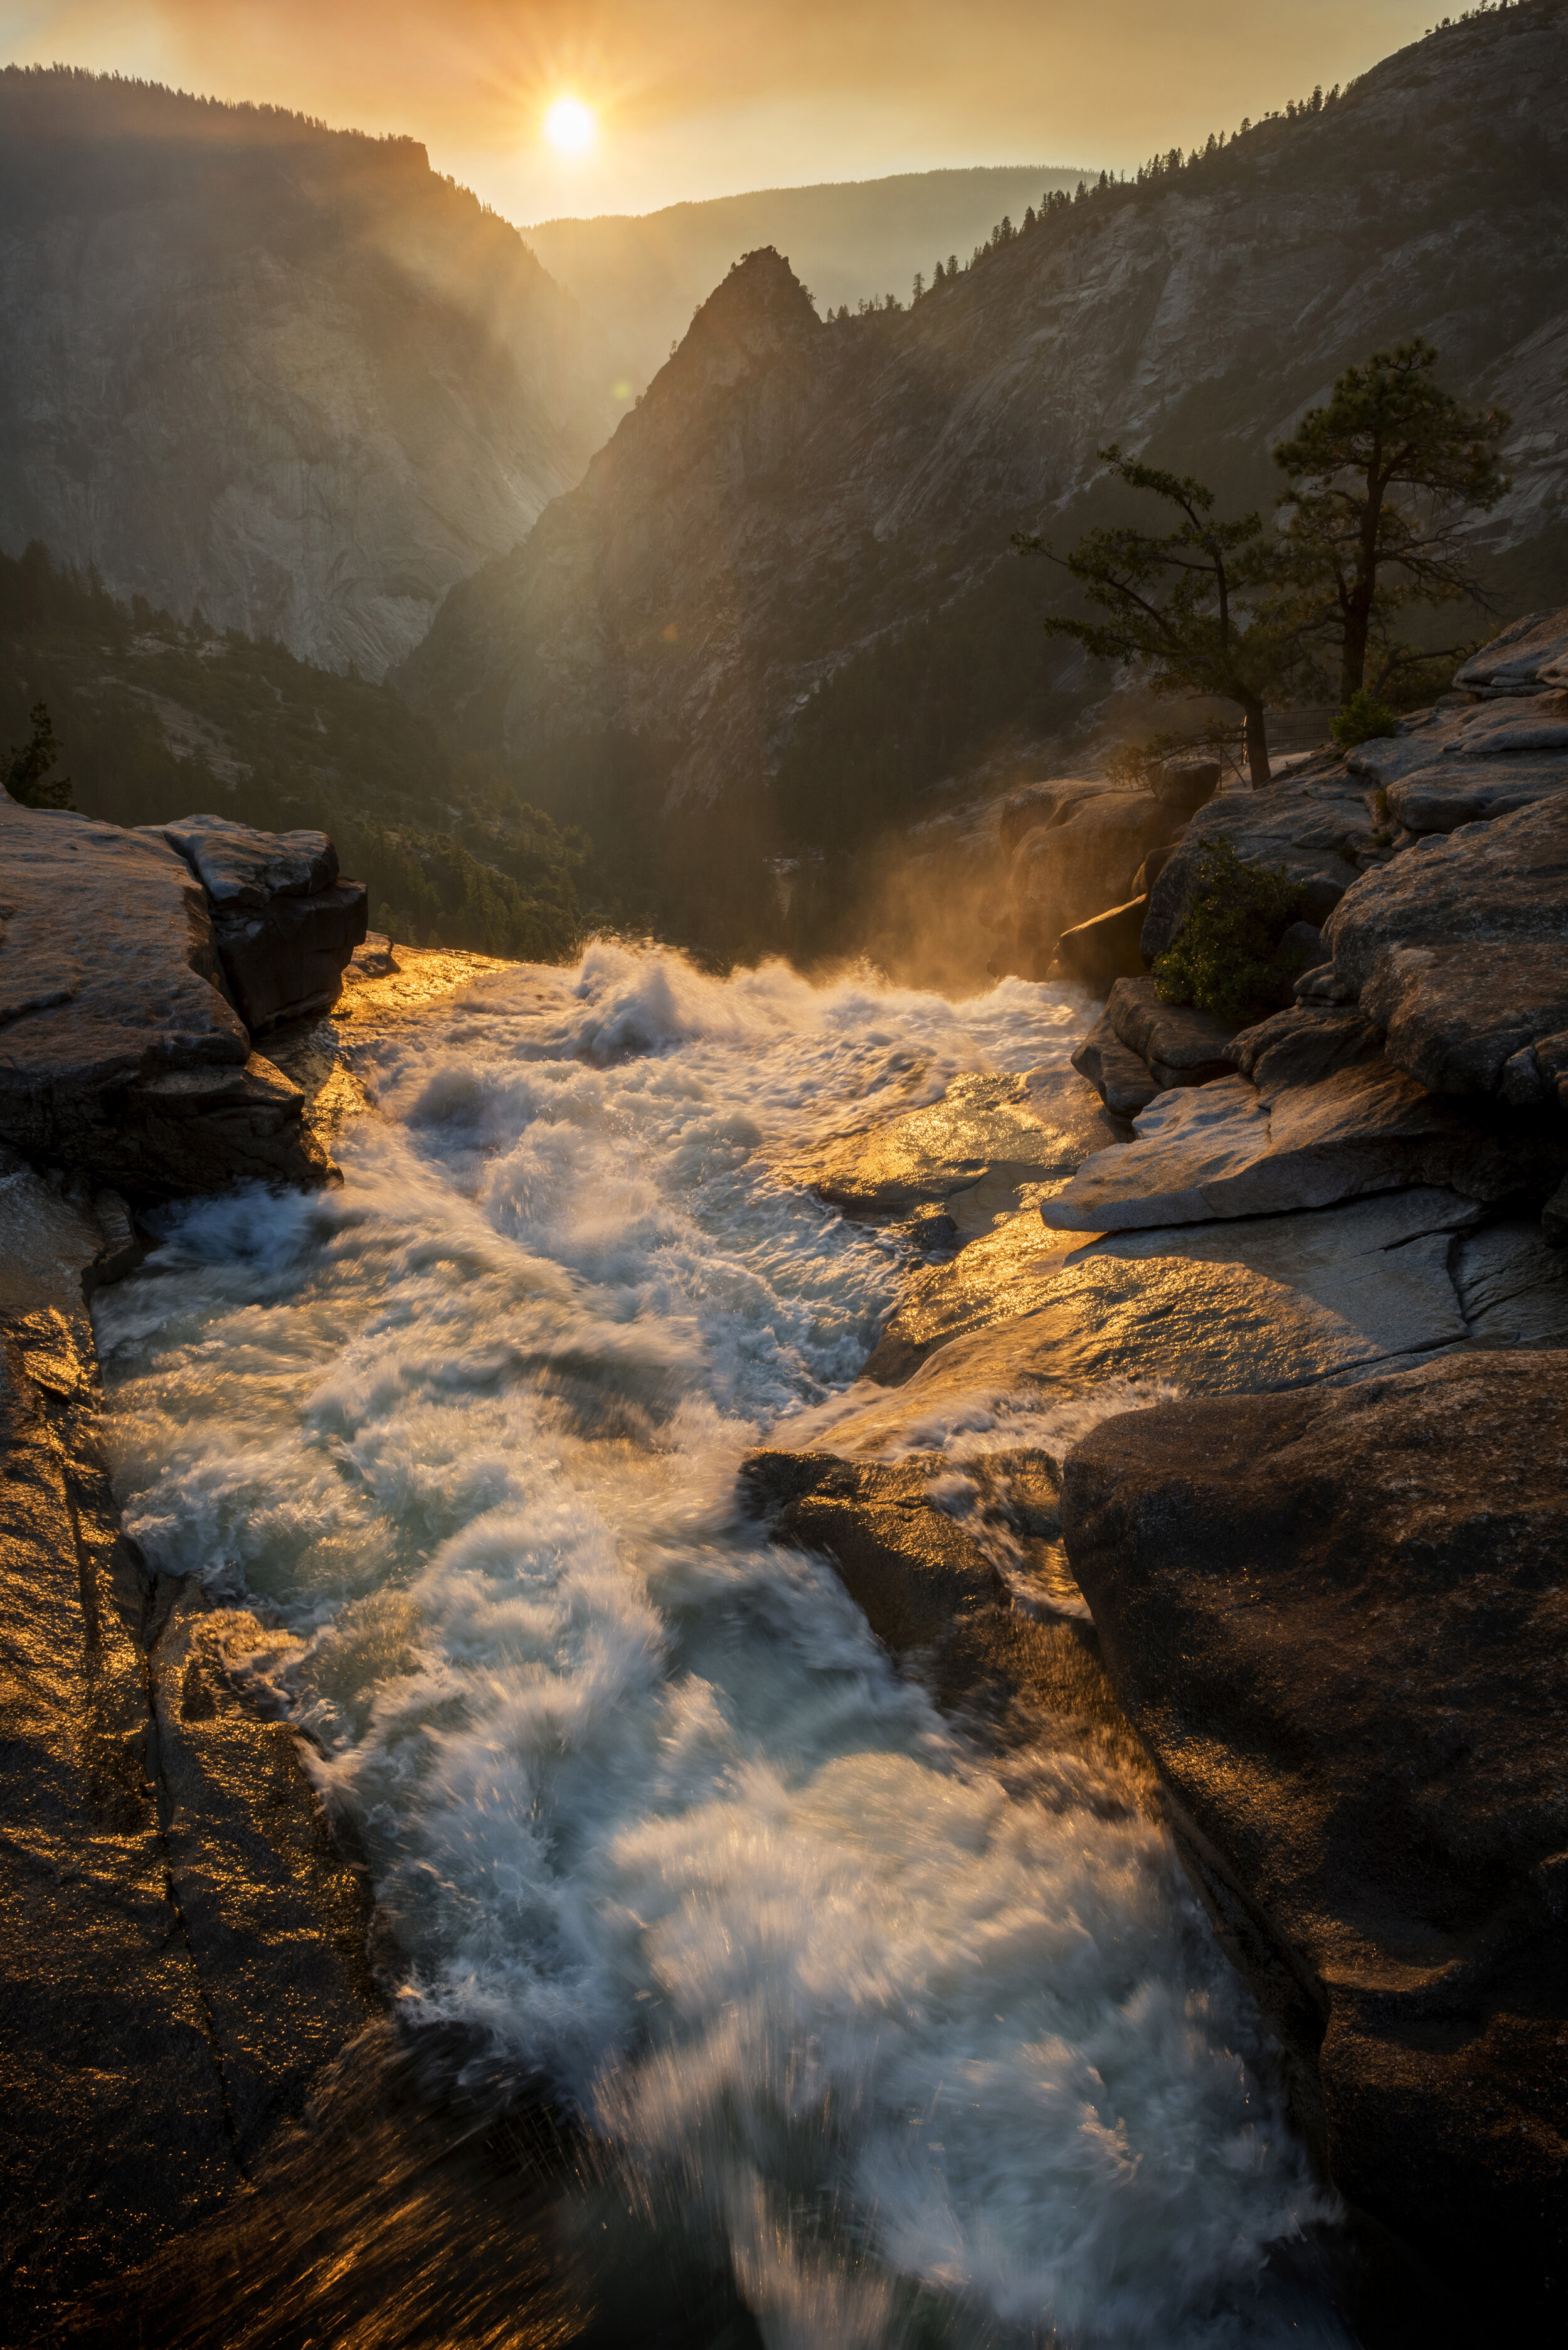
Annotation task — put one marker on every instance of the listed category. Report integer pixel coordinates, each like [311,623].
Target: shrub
[1225,958]
[1361,718]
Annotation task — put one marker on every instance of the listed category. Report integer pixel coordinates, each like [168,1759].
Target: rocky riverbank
[186,1939]
[1323,1556]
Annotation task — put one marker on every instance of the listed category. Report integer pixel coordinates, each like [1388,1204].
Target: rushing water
[935,2050]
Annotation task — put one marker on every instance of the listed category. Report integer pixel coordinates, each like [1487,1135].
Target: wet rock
[1097,953]
[1123,1079]
[147,2050]
[1217,1308]
[1338,1622]
[971,1153]
[1528,654]
[1314,824]
[121,1054]
[1459,950]
[1077,846]
[1225,1149]
[932,1591]
[1180,1046]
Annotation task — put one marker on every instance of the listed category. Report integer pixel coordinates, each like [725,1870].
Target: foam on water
[935,2052]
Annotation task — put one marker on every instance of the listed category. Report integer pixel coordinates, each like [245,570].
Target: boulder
[1097,953]
[1522,658]
[121,1054]
[1314,824]
[1123,1079]
[1179,1046]
[1229,1150]
[1302,1044]
[1338,1621]
[1458,950]
[1185,784]
[930,1586]
[1076,854]
[286,925]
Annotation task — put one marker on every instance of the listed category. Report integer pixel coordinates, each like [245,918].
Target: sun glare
[569,126]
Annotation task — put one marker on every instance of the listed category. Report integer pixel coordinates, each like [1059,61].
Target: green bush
[1225,958]
[1361,718]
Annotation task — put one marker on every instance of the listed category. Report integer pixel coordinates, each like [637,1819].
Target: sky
[703,98]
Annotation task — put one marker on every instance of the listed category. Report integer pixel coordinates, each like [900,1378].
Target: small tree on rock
[1190,606]
[25,770]
[1380,479]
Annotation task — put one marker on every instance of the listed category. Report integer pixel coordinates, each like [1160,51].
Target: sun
[570,127]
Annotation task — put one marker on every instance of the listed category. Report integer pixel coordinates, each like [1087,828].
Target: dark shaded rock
[1300,947]
[1321,985]
[1180,1046]
[1298,1046]
[1314,824]
[1458,950]
[120,1051]
[181,1948]
[1185,784]
[1097,953]
[1554,1217]
[1338,1621]
[286,963]
[1520,659]
[931,1591]
[1079,847]
[1123,1079]
[1512,1286]
[286,925]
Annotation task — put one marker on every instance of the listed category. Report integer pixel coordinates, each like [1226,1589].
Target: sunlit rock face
[799,542]
[289,375]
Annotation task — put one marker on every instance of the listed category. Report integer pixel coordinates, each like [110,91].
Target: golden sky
[700,98]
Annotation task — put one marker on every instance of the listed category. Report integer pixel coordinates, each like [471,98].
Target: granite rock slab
[1123,1079]
[1528,654]
[1339,1622]
[1458,950]
[1181,1047]
[1224,1149]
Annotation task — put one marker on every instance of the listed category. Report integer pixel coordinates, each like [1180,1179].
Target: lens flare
[570,127]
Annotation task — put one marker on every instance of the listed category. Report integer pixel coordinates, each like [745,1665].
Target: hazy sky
[698,97]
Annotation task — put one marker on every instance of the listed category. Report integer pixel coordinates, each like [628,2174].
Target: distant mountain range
[787,581]
[288,375]
[642,276]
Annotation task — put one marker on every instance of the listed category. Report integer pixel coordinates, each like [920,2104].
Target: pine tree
[1190,606]
[25,772]
[1358,551]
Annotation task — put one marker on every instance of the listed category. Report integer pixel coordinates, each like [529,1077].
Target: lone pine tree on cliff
[1196,607]
[1380,481]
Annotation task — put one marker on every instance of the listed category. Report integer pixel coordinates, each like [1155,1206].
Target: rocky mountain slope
[642,276]
[287,375]
[788,571]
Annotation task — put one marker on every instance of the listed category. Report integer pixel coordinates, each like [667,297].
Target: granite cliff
[788,570]
[287,375]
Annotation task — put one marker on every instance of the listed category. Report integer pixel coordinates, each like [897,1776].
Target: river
[932,2048]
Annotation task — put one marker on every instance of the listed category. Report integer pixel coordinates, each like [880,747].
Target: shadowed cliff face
[287,375]
[793,566]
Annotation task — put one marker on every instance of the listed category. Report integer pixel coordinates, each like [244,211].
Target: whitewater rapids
[933,2050]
